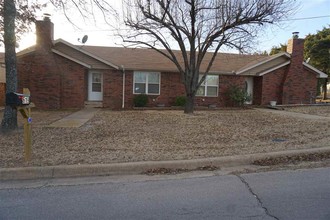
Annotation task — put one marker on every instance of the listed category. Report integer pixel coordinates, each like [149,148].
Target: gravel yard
[312,110]
[122,136]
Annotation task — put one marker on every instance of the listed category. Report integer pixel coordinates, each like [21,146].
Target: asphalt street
[299,194]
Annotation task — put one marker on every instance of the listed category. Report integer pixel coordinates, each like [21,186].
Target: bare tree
[9,121]
[16,18]
[86,9]
[197,27]
[25,11]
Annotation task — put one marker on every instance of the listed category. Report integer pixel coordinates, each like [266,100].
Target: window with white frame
[209,87]
[146,83]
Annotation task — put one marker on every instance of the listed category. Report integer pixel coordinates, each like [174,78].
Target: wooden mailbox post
[22,103]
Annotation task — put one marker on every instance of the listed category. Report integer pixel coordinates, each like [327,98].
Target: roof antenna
[83,40]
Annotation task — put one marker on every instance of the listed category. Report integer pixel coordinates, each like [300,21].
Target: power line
[307,18]
[126,29]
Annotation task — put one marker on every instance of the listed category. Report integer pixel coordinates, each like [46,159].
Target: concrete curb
[64,171]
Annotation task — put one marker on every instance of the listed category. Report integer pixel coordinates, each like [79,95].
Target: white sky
[103,35]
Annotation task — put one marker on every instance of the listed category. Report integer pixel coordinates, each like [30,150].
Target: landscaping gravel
[150,135]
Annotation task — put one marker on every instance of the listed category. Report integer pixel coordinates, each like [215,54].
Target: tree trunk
[9,121]
[325,90]
[189,107]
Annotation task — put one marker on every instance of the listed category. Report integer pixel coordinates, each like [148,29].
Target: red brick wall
[73,83]
[54,82]
[286,88]
[39,72]
[112,89]
[299,87]
[271,86]
[2,94]
[171,87]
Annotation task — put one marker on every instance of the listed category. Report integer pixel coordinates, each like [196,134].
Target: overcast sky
[312,16]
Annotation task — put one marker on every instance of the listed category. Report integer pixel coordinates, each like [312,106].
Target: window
[209,87]
[146,83]
[96,82]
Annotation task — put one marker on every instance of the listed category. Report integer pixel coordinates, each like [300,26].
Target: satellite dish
[84,39]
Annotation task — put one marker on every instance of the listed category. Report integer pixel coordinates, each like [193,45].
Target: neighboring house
[2,79]
[62,75]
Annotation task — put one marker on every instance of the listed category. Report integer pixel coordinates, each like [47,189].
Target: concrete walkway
[76,119]
[294,114]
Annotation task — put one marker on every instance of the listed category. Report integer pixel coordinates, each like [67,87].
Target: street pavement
[292,195]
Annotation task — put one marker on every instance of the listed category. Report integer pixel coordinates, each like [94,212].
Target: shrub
[180,101]
[237,95]
[140,100]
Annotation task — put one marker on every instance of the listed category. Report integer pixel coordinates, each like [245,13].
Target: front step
[93,104]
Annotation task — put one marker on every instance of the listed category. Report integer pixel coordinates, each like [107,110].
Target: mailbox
[17,99]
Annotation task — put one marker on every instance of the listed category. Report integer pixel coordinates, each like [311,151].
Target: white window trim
[146,83]
[205,87]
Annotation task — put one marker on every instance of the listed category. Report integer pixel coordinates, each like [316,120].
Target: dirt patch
[284,160]
[171,171]
[125,136]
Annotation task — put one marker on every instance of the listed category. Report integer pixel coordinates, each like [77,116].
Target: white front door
[95,86]
[249,89]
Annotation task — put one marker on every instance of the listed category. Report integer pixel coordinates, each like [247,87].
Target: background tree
[25,16]
[317,48]
[16,17]
[9,13]
[278,49]
[197,27]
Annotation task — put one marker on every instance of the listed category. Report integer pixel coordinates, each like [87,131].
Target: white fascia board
[320,73]
[72,59]
[273,57]
[219,73]
[274,68]
[85,52]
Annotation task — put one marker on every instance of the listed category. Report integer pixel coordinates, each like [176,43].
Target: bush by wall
[237,95]
[140,100]
[180,101]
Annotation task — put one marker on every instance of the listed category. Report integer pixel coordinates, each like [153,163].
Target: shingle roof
[148,59]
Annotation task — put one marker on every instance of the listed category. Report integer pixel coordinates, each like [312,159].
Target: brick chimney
[296,48]
[45,33]
[295,74]
[44,73]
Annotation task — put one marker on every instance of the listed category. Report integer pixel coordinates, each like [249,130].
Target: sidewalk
[76,119]
[64,171]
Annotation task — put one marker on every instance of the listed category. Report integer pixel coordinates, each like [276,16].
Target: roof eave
[86,53]
[26,51]
[271,58]
[319,73]
[274,68]
[72,59]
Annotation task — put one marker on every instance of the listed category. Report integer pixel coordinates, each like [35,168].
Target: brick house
[62,75]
